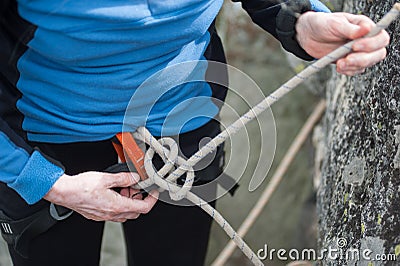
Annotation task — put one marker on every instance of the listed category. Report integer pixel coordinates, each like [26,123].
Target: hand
[91,195]
[321,33]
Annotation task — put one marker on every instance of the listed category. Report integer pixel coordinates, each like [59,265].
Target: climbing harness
[19,233]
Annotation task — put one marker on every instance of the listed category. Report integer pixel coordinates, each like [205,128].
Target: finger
[120,179]
[137,195]
[115,215]
[327,48]
[128,216]
[363,60]
[135,205]
[342,66]
[120,220]
[349,26]
[352,72]
[364,23]
[93,217]
[371,44]
[144,206]
[126,192]
[130,193]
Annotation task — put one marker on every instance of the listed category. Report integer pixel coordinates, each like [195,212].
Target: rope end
[397,6]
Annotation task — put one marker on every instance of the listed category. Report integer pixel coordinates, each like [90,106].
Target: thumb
[352,31]
[359,31]
[123,179]
[356,26]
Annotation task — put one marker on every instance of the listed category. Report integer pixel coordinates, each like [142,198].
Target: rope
[275,180]
[171,158]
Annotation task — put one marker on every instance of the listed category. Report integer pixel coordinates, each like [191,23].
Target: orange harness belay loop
[126,146]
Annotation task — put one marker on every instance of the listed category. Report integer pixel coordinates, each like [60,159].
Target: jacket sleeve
[279,18]
[22,168]
[25,169]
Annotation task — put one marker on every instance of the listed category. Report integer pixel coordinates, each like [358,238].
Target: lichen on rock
[359,195]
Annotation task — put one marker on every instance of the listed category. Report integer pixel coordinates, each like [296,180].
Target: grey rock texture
[359,199]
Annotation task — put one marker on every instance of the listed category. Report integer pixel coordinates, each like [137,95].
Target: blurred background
[289,219]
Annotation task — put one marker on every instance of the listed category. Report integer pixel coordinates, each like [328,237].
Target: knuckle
[108,217]
[372,46]
[146,209]
[352,73]
[112,211]
[117,210]
[129,178]
[366,18]
[387,37]
[383,56]
[359,71]
[384,53]
[354,61]
[106,180]
[120,180]
[334,22]
[357,63]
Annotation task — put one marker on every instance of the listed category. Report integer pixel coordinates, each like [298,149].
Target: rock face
[359,194]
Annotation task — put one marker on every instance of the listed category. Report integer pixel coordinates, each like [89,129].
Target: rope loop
[167,149]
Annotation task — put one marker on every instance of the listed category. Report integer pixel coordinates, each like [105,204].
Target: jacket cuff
[285,26]
[317,6]
[37,177]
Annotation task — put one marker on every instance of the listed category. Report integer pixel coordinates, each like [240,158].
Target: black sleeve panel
[14,138]
[279,19]
[3,5]
[15,32]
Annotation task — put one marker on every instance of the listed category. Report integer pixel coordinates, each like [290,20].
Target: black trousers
[168,235]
